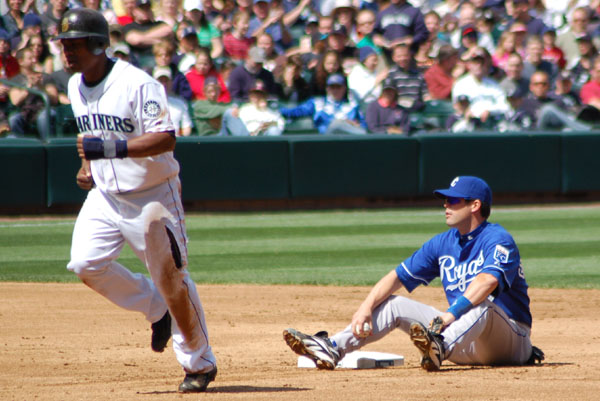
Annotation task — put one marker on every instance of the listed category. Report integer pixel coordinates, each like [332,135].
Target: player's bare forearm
[379,293]
[150,144]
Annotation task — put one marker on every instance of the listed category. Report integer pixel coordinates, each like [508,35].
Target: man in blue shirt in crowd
[488,321]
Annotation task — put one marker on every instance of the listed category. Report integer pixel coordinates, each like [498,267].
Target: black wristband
[93,148]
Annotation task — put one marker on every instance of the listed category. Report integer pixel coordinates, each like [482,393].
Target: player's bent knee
[85,269]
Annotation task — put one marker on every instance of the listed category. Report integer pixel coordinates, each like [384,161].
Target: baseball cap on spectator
[515,92]
[4,34]
[585,37]
[258,1]
[121,48]
[189,5]
[564,76]
[477,53]
[462,99]
[313,19]
[140,3]
[31,19]
[467,187]
[336,79]
[365,52]
[257,54]
[188,31]
[468,29]
[258,86]
[343,4]
[549,29]
[161,72]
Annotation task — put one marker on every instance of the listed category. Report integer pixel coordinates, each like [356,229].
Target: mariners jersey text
[104,122]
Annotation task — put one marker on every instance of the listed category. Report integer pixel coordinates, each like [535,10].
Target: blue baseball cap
[467,187]
[336,79]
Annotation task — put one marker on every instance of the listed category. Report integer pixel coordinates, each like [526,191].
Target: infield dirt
[65,342]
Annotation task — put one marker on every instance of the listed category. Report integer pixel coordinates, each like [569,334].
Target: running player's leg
[96,243]
[394,313]
[158,236]
[486,336]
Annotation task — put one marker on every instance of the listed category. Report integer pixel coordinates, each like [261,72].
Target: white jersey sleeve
[126,104]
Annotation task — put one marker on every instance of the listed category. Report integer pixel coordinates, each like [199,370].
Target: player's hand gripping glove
[95,148]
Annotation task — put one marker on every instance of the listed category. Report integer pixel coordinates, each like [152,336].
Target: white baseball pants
[105,223]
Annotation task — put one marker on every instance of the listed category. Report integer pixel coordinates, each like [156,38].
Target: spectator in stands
[330,63]
[169,12]
[344,14]
[466,16]
[547,109]
[178,108]
[409,82]
[207,114]
[55,9]
[516,118]
[164,52]
[274,60]
[365,24]
[271,23]
[334,113]
[364,81]
[126,17]
[43,59]
[504,49]
[534,61]
[188,47]
[399,21]
[423,59]
[468,38]
[104,8]
[433,23]
[144,32]
[9,67]
[520,13]
[583,64]
[236,43]
[243,76]
[553,53]
[440,77]
[202,69]
[565,91]
[383,116]
[256,116]
[31,115]
[567,41]
[209,35]
[339,42]
[514,76]
[590,95]
[12,21]
[120,51]
[487,101]
[324,27]
[294,89]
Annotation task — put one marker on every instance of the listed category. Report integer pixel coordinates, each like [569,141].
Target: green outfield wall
[42,174]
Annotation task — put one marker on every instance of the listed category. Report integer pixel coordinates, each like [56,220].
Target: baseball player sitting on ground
[126,144]
[488,321]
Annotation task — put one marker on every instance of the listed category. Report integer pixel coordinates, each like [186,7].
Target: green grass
[560,246]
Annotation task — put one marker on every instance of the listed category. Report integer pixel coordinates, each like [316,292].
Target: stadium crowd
[267,67]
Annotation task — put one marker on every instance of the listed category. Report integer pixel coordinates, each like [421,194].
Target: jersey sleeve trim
[499,273]
[411,282]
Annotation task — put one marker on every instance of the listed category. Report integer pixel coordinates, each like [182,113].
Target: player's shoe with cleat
[197,382]
[430,346]
[318,347]
[161,332]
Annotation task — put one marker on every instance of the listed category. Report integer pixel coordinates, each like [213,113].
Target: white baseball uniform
[136,201]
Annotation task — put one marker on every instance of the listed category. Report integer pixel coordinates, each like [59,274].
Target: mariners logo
[501,254]
[151,108]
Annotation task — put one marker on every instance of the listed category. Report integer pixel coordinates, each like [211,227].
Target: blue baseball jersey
[457,259]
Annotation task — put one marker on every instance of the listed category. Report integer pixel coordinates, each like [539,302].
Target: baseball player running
[488,321]
[126,144]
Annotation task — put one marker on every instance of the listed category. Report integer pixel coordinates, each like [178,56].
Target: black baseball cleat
[197,382]
[161,332]
[430,345]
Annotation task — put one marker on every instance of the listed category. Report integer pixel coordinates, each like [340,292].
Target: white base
[360,360]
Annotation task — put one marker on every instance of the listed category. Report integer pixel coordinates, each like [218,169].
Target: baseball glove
[436,325]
